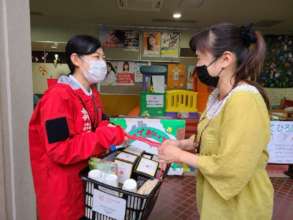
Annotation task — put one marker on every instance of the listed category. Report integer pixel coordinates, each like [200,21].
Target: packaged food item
[147,167]
[127,157]
[148,156]
[124,170]
[104,166]
[148,187]
[133,150]
[156,158]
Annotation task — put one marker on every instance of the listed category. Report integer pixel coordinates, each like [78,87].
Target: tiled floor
[177,199]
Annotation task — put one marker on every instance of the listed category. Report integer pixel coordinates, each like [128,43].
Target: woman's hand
[188,144]
[185,144]
[169,151]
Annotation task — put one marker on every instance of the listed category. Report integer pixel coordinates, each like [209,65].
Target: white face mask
[96,72]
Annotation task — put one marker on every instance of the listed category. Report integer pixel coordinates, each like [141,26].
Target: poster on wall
[281,143]
[125,73]
[151,44]
[120,39]
[170,44]
[176,76]
[111,76]
[138,77]
[189,83]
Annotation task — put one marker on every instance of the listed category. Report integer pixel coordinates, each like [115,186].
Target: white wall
[42,71]
[16,188]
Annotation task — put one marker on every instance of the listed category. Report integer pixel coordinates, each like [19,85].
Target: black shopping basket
[138,207]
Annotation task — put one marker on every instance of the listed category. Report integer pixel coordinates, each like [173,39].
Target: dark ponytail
[247,44]
[251,65]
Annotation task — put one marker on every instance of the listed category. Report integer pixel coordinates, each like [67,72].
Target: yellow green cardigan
[232,182]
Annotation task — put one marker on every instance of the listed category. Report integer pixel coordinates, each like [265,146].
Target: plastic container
[181,101]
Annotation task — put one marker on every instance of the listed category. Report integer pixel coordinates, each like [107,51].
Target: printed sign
[155,101]
[109,205]
[281,144]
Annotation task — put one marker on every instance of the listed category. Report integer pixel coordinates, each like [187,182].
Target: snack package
[104,166]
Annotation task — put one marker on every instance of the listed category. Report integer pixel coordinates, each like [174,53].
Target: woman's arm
[185,144]
[188,158]
[64,145]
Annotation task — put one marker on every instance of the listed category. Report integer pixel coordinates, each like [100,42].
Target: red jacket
[62,137]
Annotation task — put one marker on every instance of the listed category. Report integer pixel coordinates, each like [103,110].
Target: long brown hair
[248,46]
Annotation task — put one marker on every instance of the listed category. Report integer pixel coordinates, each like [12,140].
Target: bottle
[95,174]
[111,179]
[130,185]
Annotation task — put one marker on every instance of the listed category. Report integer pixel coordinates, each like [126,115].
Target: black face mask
[204,76]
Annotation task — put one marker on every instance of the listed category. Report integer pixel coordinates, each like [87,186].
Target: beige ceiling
[106,12]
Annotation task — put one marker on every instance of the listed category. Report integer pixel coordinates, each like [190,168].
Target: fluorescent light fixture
[177,15]
[54,45]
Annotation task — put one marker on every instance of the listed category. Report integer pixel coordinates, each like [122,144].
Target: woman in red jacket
[66,129]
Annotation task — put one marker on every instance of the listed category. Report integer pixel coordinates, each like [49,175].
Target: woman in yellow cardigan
[234,130]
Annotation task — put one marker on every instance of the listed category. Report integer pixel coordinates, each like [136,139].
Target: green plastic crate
[152,104]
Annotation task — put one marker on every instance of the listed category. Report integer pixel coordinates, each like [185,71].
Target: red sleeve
[74,147]
[113,135]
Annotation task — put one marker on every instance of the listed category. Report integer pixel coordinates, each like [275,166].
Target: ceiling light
[54,45]
[177,15]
